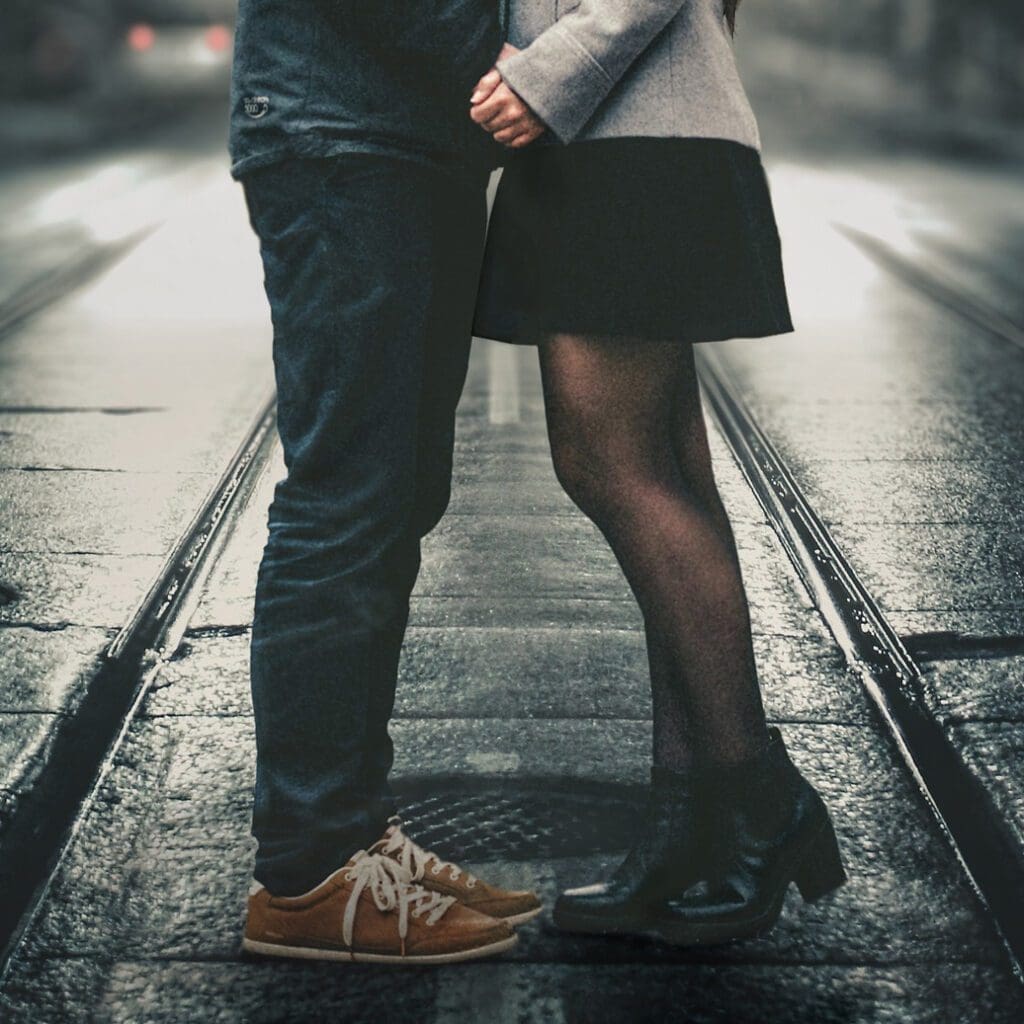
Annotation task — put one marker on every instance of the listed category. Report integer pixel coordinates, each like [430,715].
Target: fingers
[525,138]
[486,86]
[521,134]
[527,125]
[501,110]
[502,113]
[514,130]
[507,120]
[493,106]
[492,79]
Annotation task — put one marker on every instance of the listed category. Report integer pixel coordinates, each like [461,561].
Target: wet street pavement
[523,717]
[119,406]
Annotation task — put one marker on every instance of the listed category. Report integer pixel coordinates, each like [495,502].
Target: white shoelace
[414,858]
[391,888]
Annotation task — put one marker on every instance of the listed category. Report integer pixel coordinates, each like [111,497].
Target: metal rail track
[81,753]
[35,844]
[980,838]
[59,281]
[931,282]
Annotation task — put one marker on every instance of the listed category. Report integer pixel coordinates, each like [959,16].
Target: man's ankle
[301,880]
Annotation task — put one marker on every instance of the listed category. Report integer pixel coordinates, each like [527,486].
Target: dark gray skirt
[639,237]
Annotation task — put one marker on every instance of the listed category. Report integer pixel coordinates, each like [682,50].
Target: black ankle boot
[668,856]
[772,828]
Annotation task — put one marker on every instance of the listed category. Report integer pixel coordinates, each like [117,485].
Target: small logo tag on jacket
[256,106]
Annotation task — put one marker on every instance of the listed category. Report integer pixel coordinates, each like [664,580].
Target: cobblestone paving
[524,664]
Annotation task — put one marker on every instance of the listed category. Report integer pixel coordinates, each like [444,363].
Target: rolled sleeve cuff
[559,79]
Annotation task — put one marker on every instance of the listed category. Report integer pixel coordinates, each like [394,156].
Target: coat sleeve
[567,71]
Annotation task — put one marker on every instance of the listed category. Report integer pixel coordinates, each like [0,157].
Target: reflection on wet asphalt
[525,666]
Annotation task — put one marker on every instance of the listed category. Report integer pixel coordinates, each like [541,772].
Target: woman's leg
[629,446]
[693,457]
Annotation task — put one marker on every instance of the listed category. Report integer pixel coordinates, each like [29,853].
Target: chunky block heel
[821,868]
[749,831]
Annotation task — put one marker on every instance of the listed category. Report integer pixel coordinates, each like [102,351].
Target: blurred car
[50,48]
[169,48]
[114,49]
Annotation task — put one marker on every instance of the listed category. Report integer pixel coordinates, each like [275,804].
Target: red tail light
[141,37]
[218,38]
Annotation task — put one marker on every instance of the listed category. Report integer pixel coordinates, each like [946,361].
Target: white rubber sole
[348,957]
[516,919]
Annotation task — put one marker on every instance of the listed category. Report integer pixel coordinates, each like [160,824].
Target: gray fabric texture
[595,69]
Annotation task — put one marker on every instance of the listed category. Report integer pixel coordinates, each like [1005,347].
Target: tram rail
[981,840]
[937,286]
[82,753]
[82,750]
[57,282]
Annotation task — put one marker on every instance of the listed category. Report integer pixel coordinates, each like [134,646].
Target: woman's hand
[498,110]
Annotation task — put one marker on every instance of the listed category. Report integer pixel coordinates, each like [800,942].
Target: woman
[633,220]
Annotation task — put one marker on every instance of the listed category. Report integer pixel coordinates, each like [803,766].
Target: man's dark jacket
[319,77]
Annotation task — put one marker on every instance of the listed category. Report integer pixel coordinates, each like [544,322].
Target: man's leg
[351,247]
[444,372]
[461,224]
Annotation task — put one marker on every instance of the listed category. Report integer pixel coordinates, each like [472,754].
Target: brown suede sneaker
[368,911]
[450,880]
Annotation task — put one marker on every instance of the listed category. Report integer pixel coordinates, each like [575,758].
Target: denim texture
[371,265]
[317,77]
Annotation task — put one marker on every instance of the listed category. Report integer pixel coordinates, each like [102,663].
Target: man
[365,181]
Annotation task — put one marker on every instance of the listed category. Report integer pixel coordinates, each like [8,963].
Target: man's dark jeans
[371,265]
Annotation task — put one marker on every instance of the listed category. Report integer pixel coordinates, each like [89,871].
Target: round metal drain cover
[477,819]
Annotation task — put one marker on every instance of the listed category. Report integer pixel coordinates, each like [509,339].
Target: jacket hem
[316,148]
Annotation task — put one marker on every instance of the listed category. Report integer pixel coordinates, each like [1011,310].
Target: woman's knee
[576,472]
[604,445]
[602,480]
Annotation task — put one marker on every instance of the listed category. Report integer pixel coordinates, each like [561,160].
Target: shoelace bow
[390,886]
[414,858]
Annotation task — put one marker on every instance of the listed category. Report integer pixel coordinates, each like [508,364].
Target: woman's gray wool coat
[610,68]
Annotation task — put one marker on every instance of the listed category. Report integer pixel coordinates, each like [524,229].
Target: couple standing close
[633,219]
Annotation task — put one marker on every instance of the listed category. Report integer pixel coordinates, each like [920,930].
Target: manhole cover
[518,819]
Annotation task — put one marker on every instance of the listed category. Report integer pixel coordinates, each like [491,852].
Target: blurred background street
[871,463]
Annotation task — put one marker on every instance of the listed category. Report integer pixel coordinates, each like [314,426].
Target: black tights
[630,448]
